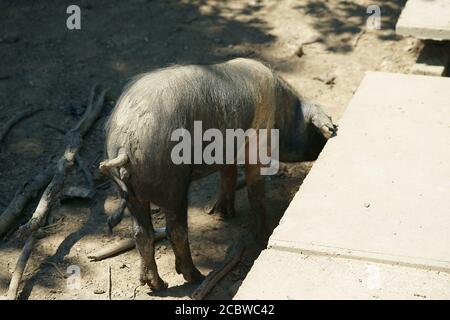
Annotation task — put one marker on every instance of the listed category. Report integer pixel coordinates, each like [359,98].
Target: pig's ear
[324,125]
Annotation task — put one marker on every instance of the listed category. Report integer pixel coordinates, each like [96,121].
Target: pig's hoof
[193,276]
[157,284]
[224,211]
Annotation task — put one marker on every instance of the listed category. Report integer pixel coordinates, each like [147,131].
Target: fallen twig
[87,174]
[232,258]
[23,195]
[10,123]
[135,291]
[74,141]
[32,228]
[122,246]
[109,283]
[358,37]
[20,268]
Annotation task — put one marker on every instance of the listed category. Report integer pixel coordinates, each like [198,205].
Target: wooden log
[31,229]
[232,258]
[73,144]
[23,195]
[109,283]
[20,268]
[122,246]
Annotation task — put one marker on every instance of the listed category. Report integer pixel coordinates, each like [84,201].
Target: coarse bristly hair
[240,93]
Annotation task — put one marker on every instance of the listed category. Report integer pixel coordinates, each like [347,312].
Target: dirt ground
[45,64]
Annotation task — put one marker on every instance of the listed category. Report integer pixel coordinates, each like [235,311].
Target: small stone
[299,52]
[99,291]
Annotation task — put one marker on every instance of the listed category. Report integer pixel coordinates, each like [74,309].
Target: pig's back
[155,104]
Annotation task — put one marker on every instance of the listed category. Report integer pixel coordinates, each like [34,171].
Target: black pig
[238,94]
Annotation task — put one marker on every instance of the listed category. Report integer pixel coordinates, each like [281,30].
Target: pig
[240,93]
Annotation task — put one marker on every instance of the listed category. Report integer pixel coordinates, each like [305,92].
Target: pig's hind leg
[144,237]
[177,231]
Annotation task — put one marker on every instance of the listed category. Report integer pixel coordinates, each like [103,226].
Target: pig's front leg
[257,198]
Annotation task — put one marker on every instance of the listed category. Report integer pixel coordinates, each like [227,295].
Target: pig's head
[312,128]
[319,128]
[321,122]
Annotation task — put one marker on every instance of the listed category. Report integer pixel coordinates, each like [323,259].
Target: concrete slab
[433,59]
[287,275]
[425,19]
[380,190]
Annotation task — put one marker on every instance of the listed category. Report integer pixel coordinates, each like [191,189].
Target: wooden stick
[10,123]
[358,36]
[32,228]
[122,246]
[73,145]
[23,195]
[87,174]
[20,268]
[232,258]
[109,283]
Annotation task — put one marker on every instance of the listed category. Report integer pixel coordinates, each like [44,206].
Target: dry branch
[30,230]
[109,283]
[23,195]
[74,139]
[358,37]
[122,246]
[20,268]
[10,123]
[232,258]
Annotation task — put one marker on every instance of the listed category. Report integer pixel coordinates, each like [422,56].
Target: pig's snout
[329,130]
